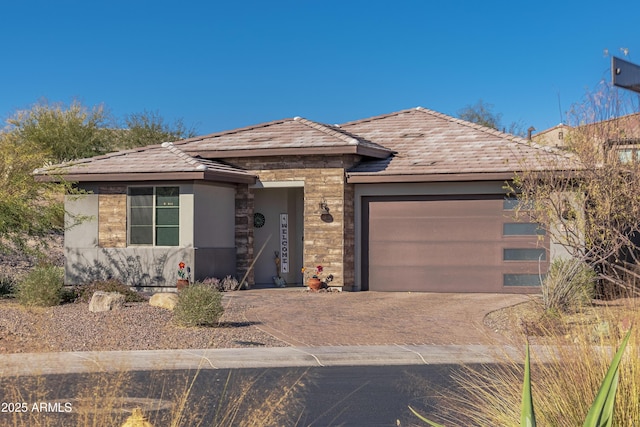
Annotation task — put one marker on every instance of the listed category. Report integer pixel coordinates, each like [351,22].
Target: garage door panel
[442,253]
[451,280]
[444,244]
[445,228]
[443,208]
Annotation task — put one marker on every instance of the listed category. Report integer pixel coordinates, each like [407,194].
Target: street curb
[272,357]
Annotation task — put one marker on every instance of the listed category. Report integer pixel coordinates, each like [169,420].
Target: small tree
[63,132]
[28,209]
[149,128]
[482,113]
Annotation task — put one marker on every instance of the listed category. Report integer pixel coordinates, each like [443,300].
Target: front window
[154,216]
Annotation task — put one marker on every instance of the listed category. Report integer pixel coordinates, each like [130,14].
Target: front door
[275,233]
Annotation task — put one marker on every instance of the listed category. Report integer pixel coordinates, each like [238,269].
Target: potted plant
[183,276]
[315,279]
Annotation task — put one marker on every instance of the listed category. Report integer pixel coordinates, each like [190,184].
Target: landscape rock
[106,301]
[166,300]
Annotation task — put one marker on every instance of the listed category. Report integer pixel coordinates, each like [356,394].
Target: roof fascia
[163,176]
[292,151]
[442,177]
[357,178]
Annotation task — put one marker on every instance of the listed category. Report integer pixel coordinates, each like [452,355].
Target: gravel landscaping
[137,326]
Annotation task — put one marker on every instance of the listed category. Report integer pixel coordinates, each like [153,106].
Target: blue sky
[221,65]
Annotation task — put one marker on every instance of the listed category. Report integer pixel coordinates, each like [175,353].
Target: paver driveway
[303,318]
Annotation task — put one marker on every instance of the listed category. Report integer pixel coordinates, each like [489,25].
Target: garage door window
[525,255]
[512,203]
[522,279]
[522,229]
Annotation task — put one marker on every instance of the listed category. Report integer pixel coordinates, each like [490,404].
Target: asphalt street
[296,396]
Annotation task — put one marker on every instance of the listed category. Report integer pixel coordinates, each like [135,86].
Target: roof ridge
[379,117]
[198,138]
[349,139]
[184,156]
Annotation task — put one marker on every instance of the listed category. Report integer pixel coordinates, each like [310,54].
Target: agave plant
[601,412]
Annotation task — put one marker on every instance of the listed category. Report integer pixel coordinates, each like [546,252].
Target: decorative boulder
[166,300]
[105,301]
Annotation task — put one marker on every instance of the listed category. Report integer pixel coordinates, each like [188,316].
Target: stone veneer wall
[328,241]
[112,217]
[244,232]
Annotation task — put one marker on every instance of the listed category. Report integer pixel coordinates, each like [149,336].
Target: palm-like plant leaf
[601,412]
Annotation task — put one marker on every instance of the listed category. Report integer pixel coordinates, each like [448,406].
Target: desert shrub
[230,284]
[212,282]
[565,380]
[227,284]
[68,294]
[85,292]
[198,305]
[42,286]
[569,285]
[7,286]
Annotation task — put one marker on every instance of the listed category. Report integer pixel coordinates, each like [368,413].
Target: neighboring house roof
[431,146]
[156,162]
[555,136]
[297,136]
[623,128]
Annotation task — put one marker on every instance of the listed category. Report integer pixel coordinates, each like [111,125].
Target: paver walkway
[303,318]
[323,329]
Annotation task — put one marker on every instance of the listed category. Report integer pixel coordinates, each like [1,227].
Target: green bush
[85,292]
[7,286]
[42,286]
[198,305]
[569,285]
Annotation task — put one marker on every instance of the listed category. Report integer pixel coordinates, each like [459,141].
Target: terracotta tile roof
[412,144]
[156,159]
[427,143]
[288,136]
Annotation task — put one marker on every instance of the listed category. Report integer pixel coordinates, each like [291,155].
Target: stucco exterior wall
[96,247]
[213,230]
[213,216]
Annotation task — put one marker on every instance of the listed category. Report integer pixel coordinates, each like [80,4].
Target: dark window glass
[524,255]
[512,203]
[141,235]
[163,216]
[522,229]
[168,196]
[167,236]
[167,216]
[522,279]
[141,216]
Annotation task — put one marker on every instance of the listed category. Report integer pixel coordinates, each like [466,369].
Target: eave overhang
[292,151]
[211,176]
[362,178]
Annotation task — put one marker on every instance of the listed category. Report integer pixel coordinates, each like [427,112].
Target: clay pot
[314,284]
[182,283]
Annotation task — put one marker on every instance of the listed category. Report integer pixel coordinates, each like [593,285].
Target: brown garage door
[449,244]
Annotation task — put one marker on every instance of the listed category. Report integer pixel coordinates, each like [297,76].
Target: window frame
[154,208]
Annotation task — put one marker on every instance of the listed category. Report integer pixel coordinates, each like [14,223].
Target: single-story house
[413,200]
